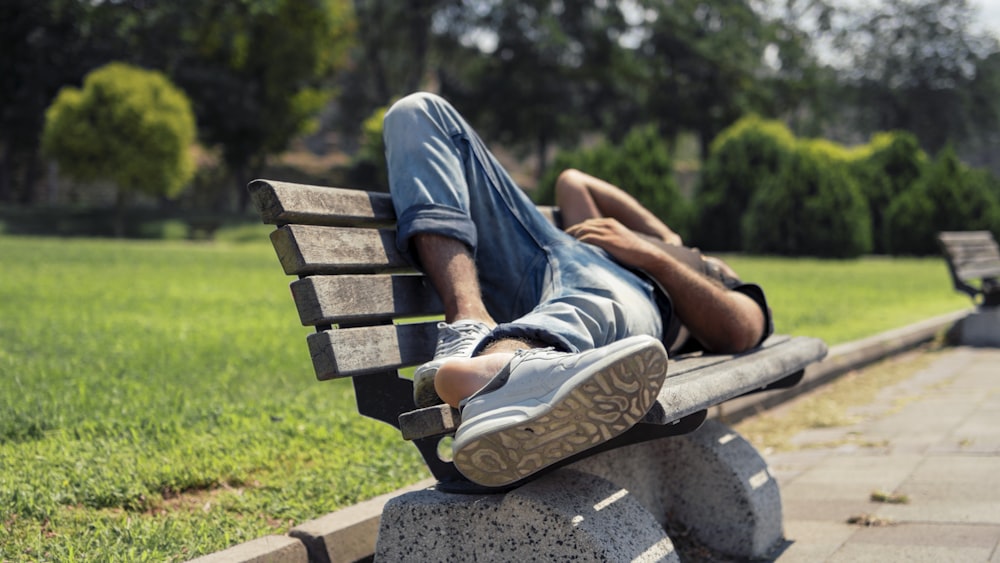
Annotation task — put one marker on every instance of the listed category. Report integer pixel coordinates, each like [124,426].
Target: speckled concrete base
[980,328]
[711,482]
[566,515]
[610,507]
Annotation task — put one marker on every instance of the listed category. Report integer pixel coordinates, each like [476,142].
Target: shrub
[741,159]
[812,206]
[949,196]
[886,168]
[640,165]
[127,125]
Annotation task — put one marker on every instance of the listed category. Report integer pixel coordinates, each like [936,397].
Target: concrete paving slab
[814,541]
[851,477]
[943,535]
[943,429]
[830,511]
[866,553]
[943,511]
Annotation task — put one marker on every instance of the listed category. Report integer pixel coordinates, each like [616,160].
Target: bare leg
[449,265]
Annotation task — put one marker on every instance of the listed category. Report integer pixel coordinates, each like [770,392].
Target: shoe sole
[609,400]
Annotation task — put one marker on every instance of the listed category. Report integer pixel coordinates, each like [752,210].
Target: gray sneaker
[546,406]
[455,340]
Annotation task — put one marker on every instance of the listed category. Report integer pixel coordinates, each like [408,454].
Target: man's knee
[411,107]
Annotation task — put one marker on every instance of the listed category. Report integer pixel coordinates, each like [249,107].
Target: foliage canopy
[127,125]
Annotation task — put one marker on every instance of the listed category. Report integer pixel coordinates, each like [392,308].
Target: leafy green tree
[257,72]
[706,65]
[44,45]
[918,65]
[541,71]
[127,125]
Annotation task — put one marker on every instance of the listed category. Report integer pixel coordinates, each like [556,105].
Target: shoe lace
[458,339]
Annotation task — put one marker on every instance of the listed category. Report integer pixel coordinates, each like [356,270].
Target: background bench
[973,259]
[374,316]
[974,263]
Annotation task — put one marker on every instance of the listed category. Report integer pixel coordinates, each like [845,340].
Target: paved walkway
[935,439]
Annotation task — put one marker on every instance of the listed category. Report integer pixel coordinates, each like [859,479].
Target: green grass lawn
[157,401]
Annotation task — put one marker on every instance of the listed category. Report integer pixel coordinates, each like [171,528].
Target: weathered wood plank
[350,352]
[691,391]
[308,249]
[694,383]
[965,236]
[972,256]
[281,203]
[431,421]
[323,300]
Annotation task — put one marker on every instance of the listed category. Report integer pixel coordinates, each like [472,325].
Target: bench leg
[551,518]
[979,328]
[711,482]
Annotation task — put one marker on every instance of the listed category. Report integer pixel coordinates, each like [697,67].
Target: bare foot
[460,378]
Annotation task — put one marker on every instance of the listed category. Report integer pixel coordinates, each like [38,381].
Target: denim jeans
[537,282]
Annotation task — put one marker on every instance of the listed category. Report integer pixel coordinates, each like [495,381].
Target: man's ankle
[457,380]
[511,345]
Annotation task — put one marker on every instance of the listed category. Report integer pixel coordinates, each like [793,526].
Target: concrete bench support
[564,515]
[610,507]
[711,482]
[979,328]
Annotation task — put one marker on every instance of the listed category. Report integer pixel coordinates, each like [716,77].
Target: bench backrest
[973,256]
[373,312]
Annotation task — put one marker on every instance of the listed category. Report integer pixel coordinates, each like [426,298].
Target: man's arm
[723,321]
[581,196]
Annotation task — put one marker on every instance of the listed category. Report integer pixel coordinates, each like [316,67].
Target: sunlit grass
[844,300]
[157,400]
[138,374]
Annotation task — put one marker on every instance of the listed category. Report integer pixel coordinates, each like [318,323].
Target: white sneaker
[455,340]
[546,406]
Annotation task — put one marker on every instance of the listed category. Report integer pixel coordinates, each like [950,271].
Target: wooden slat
[350,352]
[964,236]
[323,300]
[307,249]
[281,203]
[693,383]
[980,270]
[692,391]
[430,421]
[971,256]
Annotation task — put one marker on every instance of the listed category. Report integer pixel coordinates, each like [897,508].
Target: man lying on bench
[554,341]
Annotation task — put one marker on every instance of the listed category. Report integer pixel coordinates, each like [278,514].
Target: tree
[917,65]
[44,45]
[533,73]
[127,125]
[705,65]
[258,72]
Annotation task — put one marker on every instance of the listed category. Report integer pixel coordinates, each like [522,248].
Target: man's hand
[625,245]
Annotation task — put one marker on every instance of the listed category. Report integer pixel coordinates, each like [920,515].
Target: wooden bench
[974,263]
[375,315]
